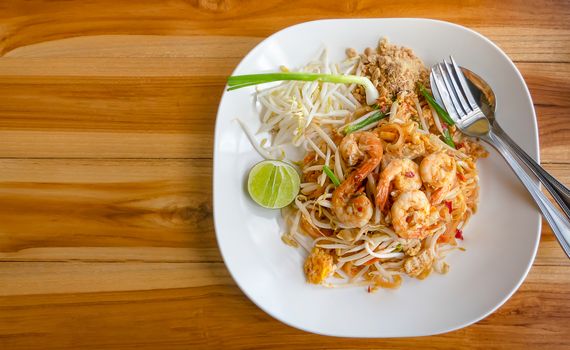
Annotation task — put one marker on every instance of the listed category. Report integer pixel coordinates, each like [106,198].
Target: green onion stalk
[240,81]
[440,111]
[442,114]
[370,120]
[447,138]
[331,175]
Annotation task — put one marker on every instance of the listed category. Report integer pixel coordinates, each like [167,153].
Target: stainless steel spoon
[473,113]
[485,98]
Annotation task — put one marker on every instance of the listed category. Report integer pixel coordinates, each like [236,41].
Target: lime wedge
[273,184]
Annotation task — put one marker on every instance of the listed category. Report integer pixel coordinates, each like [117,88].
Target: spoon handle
[557,221]
[559,192]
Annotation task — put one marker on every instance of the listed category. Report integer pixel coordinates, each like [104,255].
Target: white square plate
[501,239]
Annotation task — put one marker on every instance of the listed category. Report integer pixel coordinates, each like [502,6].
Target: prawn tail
[437,196]
[382,191]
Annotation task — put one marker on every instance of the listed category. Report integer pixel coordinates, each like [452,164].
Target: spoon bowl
[476,117]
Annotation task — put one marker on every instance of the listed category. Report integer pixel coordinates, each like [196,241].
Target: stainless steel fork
[454,92]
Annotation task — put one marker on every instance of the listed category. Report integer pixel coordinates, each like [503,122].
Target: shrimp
[438,171]
[411,214]
[405,175]
[351,150]
[352,207]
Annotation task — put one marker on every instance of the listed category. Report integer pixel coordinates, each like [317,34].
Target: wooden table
[107,111]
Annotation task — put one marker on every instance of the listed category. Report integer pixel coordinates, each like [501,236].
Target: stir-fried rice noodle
[313,116]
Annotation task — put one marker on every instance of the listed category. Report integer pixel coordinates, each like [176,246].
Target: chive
[440,111]
[239,81]
[331,175]
[447,138]
[398,248]
[372,119]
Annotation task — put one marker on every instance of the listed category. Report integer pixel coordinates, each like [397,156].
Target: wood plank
[522,44]
[30,278]
[94,144]
[127,210]
[554,134]
[172,117]
[141,67]
[192,317]
[531,44]
[26,25]
[549,83]
[139,106]
[25,278]
[107,203]
[139,46]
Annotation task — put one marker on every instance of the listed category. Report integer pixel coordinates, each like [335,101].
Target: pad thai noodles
[386,189]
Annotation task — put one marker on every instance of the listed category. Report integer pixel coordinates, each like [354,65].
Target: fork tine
[450,73]
[463,82]
[439,85]
[451,92]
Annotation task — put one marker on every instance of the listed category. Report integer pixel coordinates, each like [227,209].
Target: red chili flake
[369,290]
[359,208]
[458,234]
[461,176]
[449,207]
[409,174]
[444,126]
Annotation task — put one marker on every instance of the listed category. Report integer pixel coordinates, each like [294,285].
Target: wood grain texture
[106,134]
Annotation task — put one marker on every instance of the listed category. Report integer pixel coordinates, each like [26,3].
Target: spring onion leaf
[239,81]
[331,175]
[372,119]
[447,138]
[440,111]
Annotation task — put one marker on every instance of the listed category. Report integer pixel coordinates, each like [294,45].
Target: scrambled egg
[318,266]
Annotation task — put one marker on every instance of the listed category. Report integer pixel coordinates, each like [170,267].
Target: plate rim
[534,153]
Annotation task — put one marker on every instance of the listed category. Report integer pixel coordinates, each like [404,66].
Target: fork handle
[558,222]
[559,192]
